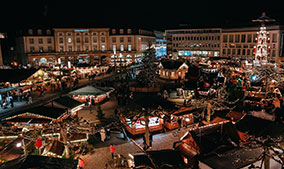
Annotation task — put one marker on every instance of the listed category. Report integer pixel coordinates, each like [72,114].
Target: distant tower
[262,48]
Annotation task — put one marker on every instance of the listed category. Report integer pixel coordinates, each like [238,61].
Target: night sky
[147,14]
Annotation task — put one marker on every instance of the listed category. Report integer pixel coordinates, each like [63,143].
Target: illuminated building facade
[48,47]
[240,42]
[193,42]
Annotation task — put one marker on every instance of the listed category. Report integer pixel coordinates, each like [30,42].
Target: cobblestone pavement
[101,156]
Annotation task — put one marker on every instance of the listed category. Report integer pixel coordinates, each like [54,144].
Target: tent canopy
[90,90]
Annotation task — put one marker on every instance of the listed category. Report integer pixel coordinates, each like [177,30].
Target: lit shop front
[198,53]
[138,127]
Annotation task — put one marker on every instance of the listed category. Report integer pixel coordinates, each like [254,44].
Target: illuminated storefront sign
[152,122]
[81,30]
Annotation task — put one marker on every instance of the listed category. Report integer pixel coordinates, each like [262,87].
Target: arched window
[42,61]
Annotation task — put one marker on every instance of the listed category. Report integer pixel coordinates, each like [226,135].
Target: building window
[40,49]
[49,40]
[78,48]
[238,51]
[69,40]
[121,48]
[103,47]
[225,38]
[243,38]
[231,38]
[69,33]
[228,51]
[60,40]
[273,53]
[121,39]
[103,39]
[32,49]
[40,40]
[60,48]
[70,48]
[95,47]
[129,39]
[30,31]
[49,48]
[248,52]
[31,40]
[274,37]
[244,52]
[113,39]
[48,32]
[114,47]
[224,51]
[86,40]
[129,47]
[249,38]
[113,31]
[129,31]
[120,31]
[95,39]
[78,40]
[233,51]
[39,32]
[87,48]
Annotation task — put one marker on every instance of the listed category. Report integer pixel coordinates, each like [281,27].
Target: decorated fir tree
[147,76]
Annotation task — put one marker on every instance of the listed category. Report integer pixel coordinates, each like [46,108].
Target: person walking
[112,149]
[81,163]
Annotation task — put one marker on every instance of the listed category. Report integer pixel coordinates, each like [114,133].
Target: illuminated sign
[81,30]
[154,121]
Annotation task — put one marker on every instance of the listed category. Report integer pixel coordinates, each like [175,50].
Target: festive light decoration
[262,48]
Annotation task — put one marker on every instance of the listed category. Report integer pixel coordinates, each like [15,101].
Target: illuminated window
[103,47]
[121,31]
[113,31]
[40,49]
[69,48]
[129,47]
[69,40]
[121,48]
[114,47]
[30,31]
[274,37]
[61,48]
[39,32]
[129,31]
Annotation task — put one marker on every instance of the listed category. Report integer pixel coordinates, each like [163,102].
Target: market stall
[138,127]
[184,114]
[91,94]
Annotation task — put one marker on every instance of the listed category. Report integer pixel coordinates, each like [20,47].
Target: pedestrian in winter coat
[112,149]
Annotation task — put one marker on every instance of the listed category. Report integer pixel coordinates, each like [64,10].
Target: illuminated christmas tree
[262,48]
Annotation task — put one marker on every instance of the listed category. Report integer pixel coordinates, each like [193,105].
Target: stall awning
[90,90]
[4,90]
